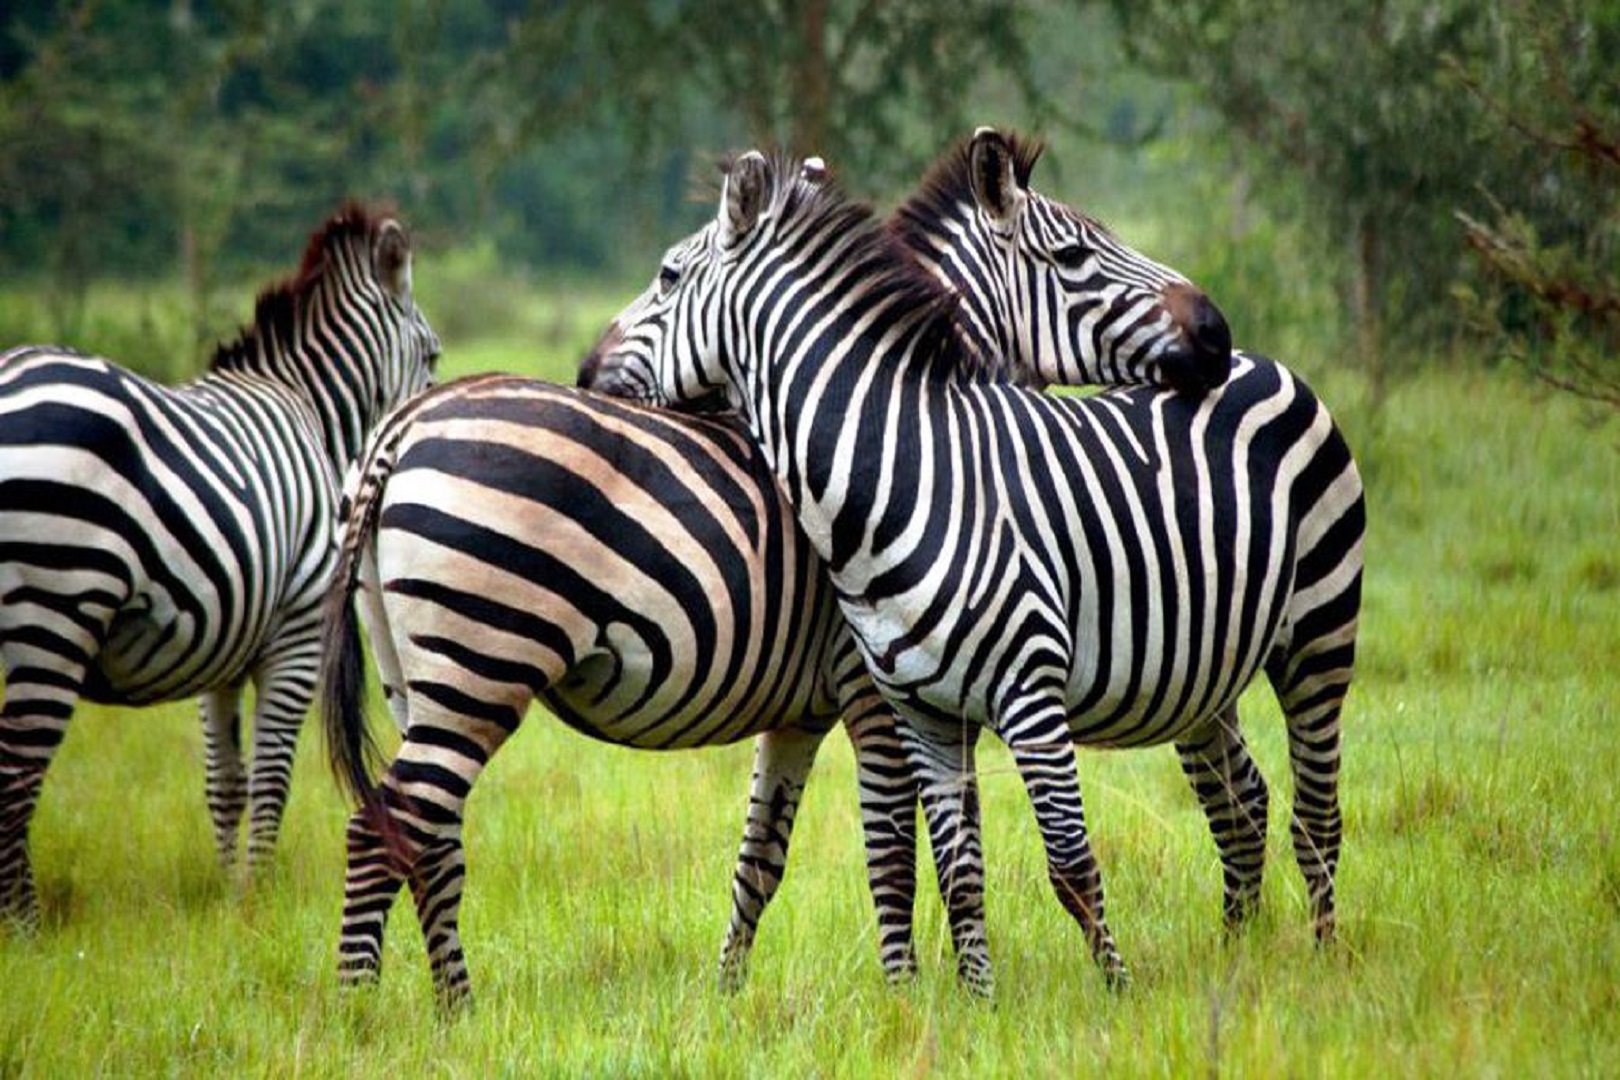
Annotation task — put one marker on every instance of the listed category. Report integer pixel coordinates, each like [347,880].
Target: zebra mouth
[1196,371]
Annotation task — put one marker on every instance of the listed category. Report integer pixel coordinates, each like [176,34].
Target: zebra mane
[949,184]
[275,312]
[821,205]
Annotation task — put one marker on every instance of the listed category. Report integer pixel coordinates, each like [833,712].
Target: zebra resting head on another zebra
[1110,571]
[1023,263]
[158,543]
[1044,293]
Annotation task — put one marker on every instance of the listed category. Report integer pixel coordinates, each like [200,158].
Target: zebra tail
[351,749]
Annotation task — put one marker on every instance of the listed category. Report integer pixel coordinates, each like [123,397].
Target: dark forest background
[1444,175]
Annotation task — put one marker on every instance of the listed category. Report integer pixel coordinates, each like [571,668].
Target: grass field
[1479,895]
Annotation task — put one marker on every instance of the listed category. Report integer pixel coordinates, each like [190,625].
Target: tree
[1354,99]
[1551,259]
[843,78]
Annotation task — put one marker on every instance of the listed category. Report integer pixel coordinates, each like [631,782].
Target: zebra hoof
[733,973]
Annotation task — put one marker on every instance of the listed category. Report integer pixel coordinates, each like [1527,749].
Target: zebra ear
[743,197]
[990,171]
[392,257]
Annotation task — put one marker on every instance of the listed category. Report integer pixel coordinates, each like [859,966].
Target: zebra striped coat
[1110,571]
[639,573]
[160,543]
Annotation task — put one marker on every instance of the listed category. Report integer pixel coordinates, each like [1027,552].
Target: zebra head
[345,331]
[623,367]
[408,347]
[1049,295]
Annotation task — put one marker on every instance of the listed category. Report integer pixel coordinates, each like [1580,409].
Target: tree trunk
[810,83]
[1369,328]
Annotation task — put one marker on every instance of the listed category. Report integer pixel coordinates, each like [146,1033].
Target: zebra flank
[158,543]
[1109,571]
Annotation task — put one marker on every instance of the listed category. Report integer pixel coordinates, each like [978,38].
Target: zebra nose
[1206,360]
[1212,342]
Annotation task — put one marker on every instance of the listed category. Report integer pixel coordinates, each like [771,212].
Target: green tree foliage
[1358,101]
[1550,250]
[844,78]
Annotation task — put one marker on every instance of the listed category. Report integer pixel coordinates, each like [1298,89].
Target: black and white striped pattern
[1109,572]
[158,543]
[1047,294]
[640,574]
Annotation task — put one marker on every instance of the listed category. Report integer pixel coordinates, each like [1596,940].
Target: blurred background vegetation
[1376,186]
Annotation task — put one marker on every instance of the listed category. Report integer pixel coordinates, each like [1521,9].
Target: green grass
[1479,895]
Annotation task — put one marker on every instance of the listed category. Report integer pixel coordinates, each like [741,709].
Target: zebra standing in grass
[1109,572]
[158,543]
[639,573]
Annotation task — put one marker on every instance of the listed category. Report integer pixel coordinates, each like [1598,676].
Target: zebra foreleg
[1233,794]
[1044,752]
[227,783]
[284,692]
[889,796]
[782,761]
[943,755]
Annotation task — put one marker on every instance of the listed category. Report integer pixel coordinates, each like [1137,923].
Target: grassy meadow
[1479,894]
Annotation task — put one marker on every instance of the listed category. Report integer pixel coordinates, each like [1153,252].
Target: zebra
[705,618]
[158,543]
[1110,571]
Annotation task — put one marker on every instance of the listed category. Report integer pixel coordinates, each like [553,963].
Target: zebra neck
[856,430]
[956,251]
[304,372]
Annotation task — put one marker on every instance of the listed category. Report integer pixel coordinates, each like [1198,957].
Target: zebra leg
[425,791]
[1044,752]
[942,754]
[41,687]
[1311,699]
[1234,797]
[284,691]
[889,795]
[782,761]
[227,779]
[370,885]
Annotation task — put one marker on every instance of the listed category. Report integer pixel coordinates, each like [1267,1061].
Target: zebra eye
[1070,256]
[668,278]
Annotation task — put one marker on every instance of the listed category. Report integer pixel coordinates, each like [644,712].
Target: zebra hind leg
[425,792]
[40,693]
[1233,794]
[284,693]
[375,873]
[943,756]
[1044,752]
[227,783]
[782,761]
[1312,691]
